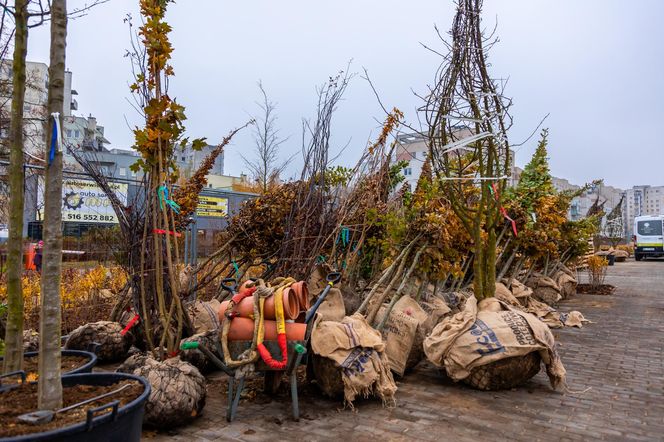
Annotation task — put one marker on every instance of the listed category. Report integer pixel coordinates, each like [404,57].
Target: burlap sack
[567,284]
[404,333]
[621,255]
[544,288]
[316,281]
[537,308]
[475,337]
[332,308]
[573,319]
[399,331]
[359,352]
[456,300]
[521,291]
[204,316]
[503,294]
[436,310]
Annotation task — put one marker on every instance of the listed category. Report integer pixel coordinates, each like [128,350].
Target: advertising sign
[212,206]
[84,201]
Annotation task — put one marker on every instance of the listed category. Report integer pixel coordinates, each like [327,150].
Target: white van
[648,236]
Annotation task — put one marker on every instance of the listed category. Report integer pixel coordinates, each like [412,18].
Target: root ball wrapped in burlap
[544,288]
[505,373]
[566,282]
[357,352]
[178,390]
[196,357]
[113,346]
[30,340]
[490,346]
[327,376]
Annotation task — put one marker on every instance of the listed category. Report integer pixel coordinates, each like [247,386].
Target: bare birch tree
[265,167]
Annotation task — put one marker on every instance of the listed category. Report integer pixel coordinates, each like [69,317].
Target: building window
[77,133]
[408,171]
[183,158]
[68,133]
[123,171]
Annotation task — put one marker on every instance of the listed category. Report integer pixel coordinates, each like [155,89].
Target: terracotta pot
[242,329]
[245,308]
[302,291]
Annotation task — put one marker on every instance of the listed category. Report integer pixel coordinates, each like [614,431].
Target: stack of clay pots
[295,301]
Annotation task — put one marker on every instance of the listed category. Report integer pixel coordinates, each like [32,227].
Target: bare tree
[50,386]
[264,166]
[614,229]
[14,333]
[26,14]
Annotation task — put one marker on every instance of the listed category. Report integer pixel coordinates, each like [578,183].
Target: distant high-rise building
[78,131]
[642,200]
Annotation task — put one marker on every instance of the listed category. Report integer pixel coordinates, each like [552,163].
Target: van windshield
[649,228]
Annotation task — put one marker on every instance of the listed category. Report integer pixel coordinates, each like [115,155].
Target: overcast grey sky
[595,65]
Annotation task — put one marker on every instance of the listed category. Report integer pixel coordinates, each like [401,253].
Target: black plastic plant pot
[108,423]
[85,368]
[611,259]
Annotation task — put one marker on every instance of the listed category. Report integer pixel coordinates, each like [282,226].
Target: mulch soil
[67,363]
[23,399]
[604,289]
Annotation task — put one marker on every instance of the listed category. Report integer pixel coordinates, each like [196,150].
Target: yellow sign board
[212,206]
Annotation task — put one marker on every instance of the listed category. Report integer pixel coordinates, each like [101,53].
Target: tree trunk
[14,334]
[50,387]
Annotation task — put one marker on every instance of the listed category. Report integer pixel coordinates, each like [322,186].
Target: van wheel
[638,257]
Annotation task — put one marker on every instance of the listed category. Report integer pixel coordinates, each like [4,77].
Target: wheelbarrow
[297,355]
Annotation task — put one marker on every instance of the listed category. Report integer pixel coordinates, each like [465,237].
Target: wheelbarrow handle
[331,279]
[229,284]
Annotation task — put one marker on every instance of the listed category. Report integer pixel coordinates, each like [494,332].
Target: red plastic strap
[243,293]
[267,357]
[130,324]
[504,212]
[502,209]
[173,353]
[166,232]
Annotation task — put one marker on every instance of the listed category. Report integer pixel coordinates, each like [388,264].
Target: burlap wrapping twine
[113,346]
[178,390]
[358,351]
[477,337]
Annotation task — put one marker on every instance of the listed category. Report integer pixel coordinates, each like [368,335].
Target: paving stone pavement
[615,370]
